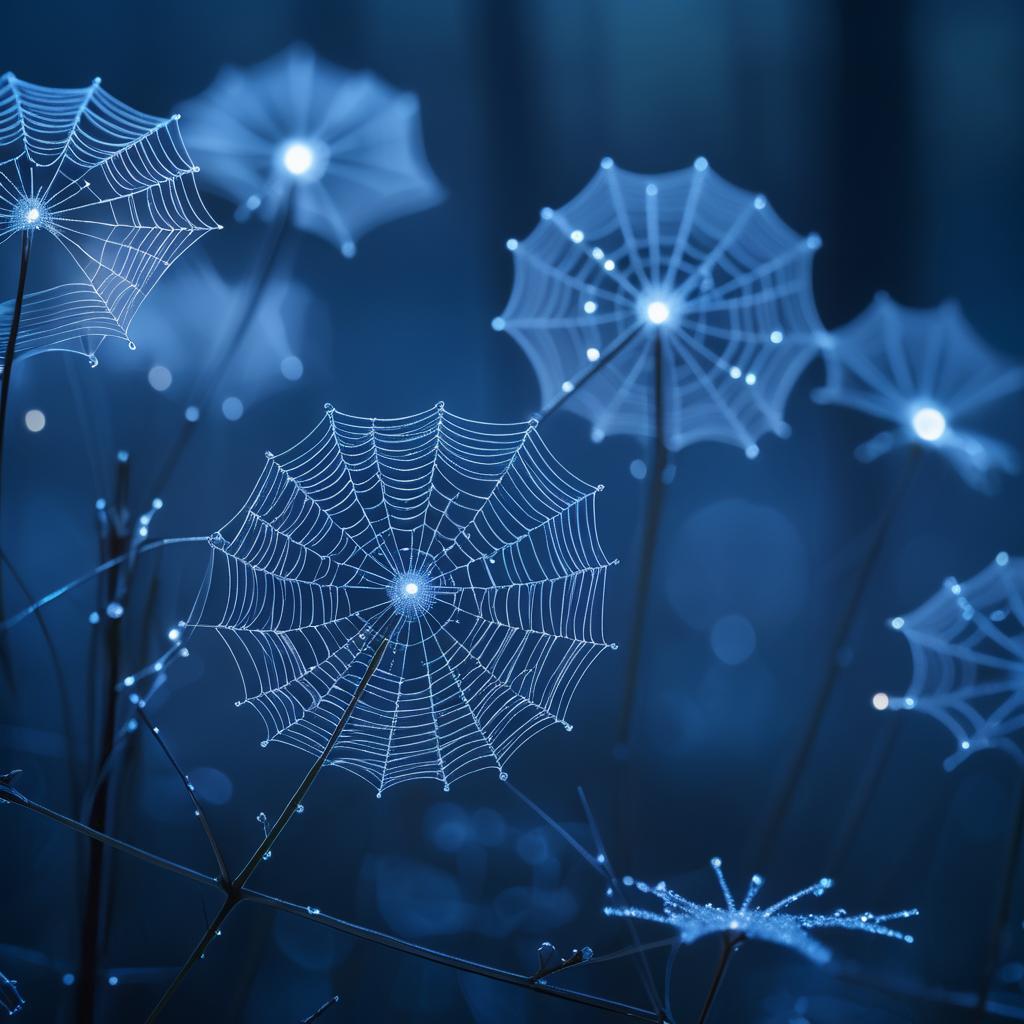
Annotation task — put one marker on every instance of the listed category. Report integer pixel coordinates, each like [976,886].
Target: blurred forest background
[895,131]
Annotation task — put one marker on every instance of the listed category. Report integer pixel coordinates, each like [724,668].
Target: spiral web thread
[893,360]
[967,647]
[465,543]
[367,163]
[115,187]
[731,282]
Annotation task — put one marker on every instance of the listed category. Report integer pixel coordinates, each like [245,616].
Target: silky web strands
[929,374]
[114,188]
[344,148]
[466,544]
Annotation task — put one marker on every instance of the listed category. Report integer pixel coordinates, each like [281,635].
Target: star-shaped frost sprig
[739,923]
[929,374]
[343,148]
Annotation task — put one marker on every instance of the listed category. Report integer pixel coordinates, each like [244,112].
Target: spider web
[732,280]
[967,646]
[115,187]
[465,543]
[892,360]
[364,139]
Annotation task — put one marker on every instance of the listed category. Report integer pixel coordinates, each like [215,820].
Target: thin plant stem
[871,776]
[318,1013]
[233,888]
[393,942]
[783,803]
[12,339]
[218,854]
[114,543]
[604,359]
[265,263]
[649,546]
[716,982]
[1003,909]
[5,390]
[106,566]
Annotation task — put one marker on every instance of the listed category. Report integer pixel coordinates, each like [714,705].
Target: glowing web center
[298,158]
[32,215]
[27,213]
[657,311]
[929,424]
[412,593]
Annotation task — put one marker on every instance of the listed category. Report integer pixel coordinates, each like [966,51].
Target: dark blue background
[894,130]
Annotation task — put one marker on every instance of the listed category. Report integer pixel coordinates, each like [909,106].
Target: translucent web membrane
[683,258]
[928,373]
[967,646]
[465,543]
[344,147]
[114,187]
[747,921]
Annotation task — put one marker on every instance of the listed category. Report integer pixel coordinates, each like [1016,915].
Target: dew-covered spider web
[967,646]
[928,373]
[683,265]
[466,544]
[114,187]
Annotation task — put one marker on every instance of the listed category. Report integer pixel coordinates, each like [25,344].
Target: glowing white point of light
[751,378]
[593,354]
[511,245]
[896,623]
[880,701]
[412,589]
[35,420]
[590,306]
[297,158]
[929,424]
[735,372]
[965,744]
[657,311]
[174,635]
[775,337]
[567,386]
[577,236]
[32,215]
[1002,558]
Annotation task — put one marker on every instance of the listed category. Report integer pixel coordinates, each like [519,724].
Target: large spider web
[363,161]
[683,263]
[115,187]
[465,543]
[892,361]
[967,646]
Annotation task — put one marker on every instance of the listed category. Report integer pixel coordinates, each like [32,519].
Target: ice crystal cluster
[745,921]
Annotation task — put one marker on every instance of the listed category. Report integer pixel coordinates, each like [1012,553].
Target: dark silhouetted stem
[234,888]
[383,939]
[318,1013]
[871,776]
[769,835]
[5,390]
[649,546]
[728,946]
[1005,905]
[114,543]
[218,854]
[12,340]
[264,267]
